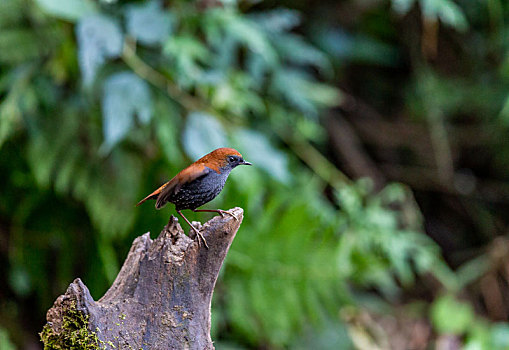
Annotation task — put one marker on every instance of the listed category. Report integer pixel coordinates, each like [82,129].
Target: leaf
[149,23]
[298,51]
[278,20]
[237,95]
[292,259]
[451,316]
[11,13]
[10,119]
[479,337]
[402,6]
[186,53]
[67,169]
[125,95]
[167,121]
[71,10]
[19,100]
[5,341]
[18,46]
[202,134]
[19,280]
[109,259]
[342,46]
[257,149]
[500,335]
[99,38]
[251,35]
[447,11]
[332,335]
[299,90]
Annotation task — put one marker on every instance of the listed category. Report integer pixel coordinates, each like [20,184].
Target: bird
[198,184]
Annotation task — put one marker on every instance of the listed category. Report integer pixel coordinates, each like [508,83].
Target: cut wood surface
[160,299]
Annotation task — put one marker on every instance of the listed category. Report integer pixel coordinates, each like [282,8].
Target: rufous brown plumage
[198,184]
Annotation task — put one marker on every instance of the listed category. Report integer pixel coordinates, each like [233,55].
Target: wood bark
[160,299]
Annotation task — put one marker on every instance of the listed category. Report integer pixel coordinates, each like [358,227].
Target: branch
[160,299]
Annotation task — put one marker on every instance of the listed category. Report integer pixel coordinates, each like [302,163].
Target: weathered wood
[160,299]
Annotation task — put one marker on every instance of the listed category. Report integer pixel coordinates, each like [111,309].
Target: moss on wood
[74,333]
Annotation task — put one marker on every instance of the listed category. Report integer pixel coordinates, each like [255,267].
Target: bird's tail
[154,194]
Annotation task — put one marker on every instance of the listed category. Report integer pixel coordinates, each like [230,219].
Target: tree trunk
[159,300]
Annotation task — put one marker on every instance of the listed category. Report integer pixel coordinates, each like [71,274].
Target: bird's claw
[200,238]
[222,212]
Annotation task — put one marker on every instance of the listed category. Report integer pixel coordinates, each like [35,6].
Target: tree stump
[160,299]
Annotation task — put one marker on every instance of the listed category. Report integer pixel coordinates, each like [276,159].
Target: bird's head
[223,159]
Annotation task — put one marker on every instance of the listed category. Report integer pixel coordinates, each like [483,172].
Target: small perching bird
[198,184]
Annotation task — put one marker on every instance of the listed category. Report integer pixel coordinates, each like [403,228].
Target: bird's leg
[220,211]
[200,236]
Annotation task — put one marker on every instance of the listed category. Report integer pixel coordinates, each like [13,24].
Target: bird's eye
[231,159]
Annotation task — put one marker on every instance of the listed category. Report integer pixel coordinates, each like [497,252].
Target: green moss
[74,334]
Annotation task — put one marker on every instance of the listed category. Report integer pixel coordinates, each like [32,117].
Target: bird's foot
[198,233]
[200,237]
[223,212]
[220,211]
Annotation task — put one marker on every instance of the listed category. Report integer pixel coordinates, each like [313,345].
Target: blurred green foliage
[451,316]
[101,101]
[5,342]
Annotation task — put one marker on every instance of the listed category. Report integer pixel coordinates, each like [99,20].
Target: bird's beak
[246,163]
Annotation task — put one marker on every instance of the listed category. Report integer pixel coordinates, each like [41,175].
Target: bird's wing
[163,193]
[166,192]
[187,175]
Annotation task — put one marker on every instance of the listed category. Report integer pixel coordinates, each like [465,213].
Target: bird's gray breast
[200,191]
